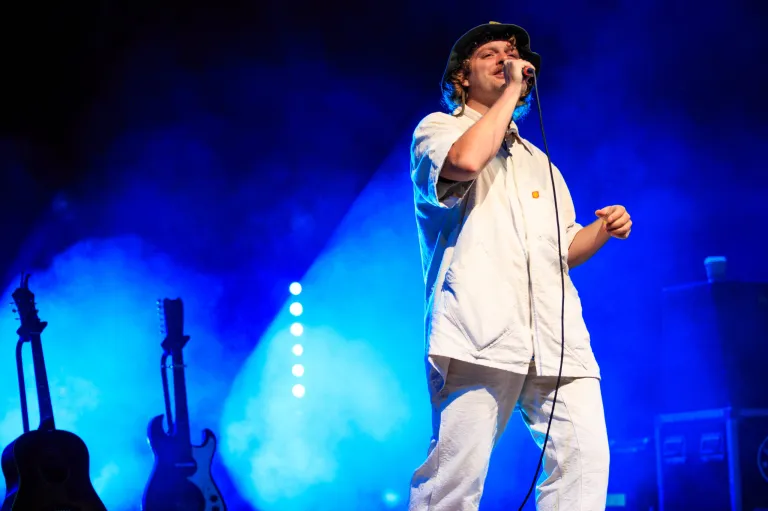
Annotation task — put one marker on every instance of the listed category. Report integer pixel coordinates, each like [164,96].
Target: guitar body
[181,482]
[48,471]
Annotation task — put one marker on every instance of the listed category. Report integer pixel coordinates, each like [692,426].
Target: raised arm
[475,148]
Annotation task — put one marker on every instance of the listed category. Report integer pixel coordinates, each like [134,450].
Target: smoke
[362,427]
[102,353]
[209,169]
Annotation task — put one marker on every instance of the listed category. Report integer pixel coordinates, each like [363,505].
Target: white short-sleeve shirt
[490,259]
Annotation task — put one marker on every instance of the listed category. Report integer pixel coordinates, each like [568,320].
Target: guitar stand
[166,393]
[22,386]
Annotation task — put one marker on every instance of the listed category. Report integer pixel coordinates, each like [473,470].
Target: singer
[485,210]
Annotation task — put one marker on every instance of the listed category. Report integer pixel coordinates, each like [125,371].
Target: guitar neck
[41,383]
[181,429]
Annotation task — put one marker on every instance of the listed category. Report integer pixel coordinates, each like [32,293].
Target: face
[486,76]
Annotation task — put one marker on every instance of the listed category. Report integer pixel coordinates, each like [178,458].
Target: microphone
[529,75]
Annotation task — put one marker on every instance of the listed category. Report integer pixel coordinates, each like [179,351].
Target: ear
[465,78]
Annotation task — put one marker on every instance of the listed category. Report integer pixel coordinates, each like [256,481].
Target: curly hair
[454,92]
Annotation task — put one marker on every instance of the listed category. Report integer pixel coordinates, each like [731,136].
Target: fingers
[611,213]
[622,234]
[616,221]
[513,70]
[519,63]
[616,224]
[616,216]
[620,230]
[509,71]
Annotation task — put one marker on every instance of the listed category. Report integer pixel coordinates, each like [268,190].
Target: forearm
[475,148]
[587,242]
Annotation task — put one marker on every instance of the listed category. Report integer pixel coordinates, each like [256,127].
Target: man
[488,233]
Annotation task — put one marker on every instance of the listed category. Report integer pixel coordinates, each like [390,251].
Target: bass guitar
[181,479]
[46,469]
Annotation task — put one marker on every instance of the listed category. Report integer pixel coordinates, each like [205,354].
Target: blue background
[221,153]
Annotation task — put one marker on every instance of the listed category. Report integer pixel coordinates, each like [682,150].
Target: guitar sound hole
[54,474]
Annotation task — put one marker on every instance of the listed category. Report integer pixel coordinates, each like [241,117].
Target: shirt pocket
[478,299]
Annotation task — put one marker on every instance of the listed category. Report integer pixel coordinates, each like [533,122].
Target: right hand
[513,71]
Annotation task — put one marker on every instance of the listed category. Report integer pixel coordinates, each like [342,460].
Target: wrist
[602,234]
[513,91]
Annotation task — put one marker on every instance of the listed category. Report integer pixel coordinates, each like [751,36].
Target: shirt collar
[512,130]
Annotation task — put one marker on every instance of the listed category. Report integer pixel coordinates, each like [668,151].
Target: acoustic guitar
[46,469]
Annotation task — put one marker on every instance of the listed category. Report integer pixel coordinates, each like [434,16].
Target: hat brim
[490,31]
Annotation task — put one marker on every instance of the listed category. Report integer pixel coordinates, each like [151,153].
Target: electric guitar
[181,479]
[46,469]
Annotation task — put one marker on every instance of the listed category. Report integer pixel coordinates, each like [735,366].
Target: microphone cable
[562,302]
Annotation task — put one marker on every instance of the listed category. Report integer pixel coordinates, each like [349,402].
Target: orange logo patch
[535,195]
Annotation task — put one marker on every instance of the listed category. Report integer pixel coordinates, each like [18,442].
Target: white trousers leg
[576,460]
[471,410]
[469,413]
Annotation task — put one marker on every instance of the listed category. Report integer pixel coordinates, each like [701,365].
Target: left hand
[616,221]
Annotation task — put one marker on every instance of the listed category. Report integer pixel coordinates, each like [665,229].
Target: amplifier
[713,460]
[714,347]
[632,483]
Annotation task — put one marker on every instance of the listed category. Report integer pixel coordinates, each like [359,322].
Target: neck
[478,106]
[482,105]
[41,382]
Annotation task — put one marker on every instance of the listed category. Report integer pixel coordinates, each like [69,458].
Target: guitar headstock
[173,324]
[25,307]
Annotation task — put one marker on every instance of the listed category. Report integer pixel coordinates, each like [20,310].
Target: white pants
[470,413]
